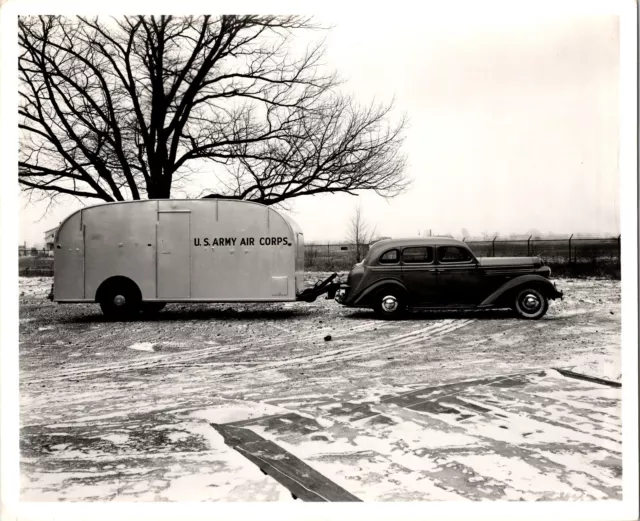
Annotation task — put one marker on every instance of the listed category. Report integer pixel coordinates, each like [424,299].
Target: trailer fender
[117,281]
[543,284]
[374,288]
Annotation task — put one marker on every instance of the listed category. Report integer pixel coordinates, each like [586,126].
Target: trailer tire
[119,299]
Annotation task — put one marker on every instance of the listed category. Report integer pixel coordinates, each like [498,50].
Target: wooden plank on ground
[303,481]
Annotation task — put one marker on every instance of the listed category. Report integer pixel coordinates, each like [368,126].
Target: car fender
[371,290]
[523,280]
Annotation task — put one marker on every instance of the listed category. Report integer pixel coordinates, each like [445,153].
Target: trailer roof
[287,218]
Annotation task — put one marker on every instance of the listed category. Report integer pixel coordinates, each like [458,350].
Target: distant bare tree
[128,108]
[534,233]
[489,236]
[359,233]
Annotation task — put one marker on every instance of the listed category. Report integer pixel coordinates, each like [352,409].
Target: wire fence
[34,252]
[589,255]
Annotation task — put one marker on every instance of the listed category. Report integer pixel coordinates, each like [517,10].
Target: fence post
[619,253]
[528,245]
[493,246]
[570,248]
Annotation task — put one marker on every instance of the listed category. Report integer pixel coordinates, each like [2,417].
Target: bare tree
[128,108]
[359,233]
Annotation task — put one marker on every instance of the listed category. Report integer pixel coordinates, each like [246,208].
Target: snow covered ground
[121,410]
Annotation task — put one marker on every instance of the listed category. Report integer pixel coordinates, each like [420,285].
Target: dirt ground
[122,410]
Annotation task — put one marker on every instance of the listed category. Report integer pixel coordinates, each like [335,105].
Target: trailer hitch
[320,288]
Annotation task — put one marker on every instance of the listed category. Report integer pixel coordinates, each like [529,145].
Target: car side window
[390,257]
[453,254]
[417,254]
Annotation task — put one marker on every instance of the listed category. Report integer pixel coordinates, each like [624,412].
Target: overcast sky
[513,123]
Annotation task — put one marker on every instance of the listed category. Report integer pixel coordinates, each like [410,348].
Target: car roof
[386,244]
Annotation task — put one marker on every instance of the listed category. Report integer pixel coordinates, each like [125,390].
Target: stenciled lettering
[244,241]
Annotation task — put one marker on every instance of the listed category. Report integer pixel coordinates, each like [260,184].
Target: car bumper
[556,293]
[342,295]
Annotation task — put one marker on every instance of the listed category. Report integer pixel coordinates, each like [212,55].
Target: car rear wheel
[119,301]
[531,304]
[390,304]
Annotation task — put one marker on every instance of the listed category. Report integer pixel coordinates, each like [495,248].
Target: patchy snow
[116,439]
[525,478]
[143,346]
[373,363]
[35,286]
[264,353]
[324,422]
[178,436]
[583,463]
[606,366]
[236,411]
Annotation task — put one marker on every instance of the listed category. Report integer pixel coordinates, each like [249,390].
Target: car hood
[510,261]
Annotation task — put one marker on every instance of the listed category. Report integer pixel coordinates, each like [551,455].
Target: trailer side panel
[240,251]
[120,240]
[69,260]
[174,260]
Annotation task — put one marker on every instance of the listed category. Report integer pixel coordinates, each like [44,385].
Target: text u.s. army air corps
[242,241]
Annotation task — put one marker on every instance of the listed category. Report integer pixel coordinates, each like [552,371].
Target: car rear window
[417,254]
[453,254]
[390,257]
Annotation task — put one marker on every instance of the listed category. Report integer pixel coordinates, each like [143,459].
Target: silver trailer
[139,255]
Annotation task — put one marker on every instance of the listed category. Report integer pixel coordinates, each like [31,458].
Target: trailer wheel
[120,300]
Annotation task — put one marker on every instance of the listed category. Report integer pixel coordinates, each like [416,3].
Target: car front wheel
[531,304]
[390,304]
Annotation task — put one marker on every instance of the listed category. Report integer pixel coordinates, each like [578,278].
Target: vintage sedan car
[443,273]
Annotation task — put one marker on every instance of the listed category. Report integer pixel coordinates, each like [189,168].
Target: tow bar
[326,286]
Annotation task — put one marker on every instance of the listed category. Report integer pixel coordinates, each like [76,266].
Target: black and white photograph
[257,256]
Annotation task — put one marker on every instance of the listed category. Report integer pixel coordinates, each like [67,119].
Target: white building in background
[49,237]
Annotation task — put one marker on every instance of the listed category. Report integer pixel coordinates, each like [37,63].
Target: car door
[460,279]
[387,267]
[419,274]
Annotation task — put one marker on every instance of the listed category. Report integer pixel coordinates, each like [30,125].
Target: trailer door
[174,255]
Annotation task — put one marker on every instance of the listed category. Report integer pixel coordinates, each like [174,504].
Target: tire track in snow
[341,354]
[171,359]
